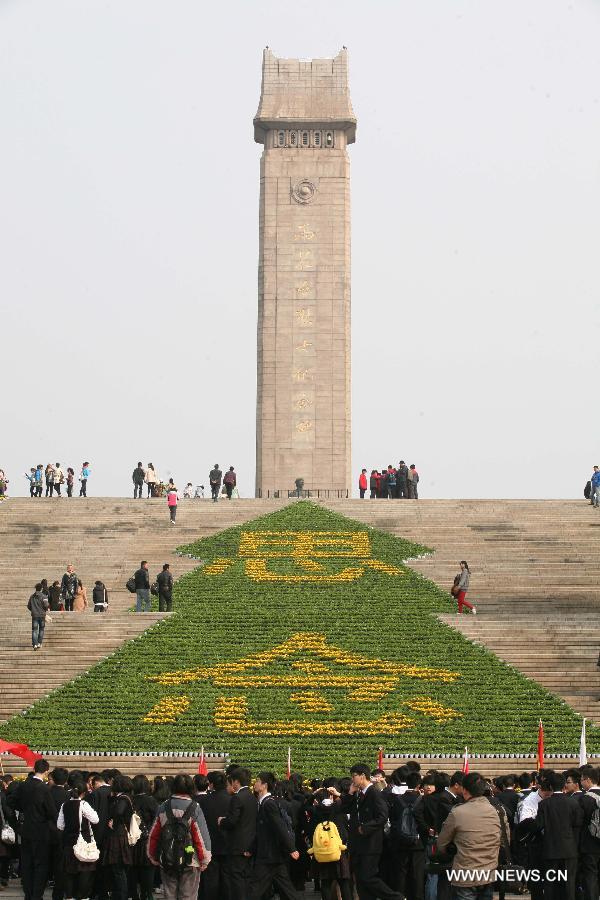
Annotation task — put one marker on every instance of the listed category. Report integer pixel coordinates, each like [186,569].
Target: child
[100,597]
[31,479]
[187,493]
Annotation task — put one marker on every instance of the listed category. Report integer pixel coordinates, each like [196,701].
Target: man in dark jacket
[68,588]
[142,588]
[38,607]
[274,845]
[239,826]
[409,834]
[368,815]
[559,819]
[165,590]
[57,781]
[508,796]
[99,800]
[215,478]
[215,805]
[32,799]
[138,481]
[588,869]
[402,480]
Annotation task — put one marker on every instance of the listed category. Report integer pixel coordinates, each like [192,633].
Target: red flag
[380,758]
[466,762]
[202,767]
[21,750]
[540,747]
[289,763]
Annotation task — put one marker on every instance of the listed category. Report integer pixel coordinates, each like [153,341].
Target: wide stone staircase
[533,564]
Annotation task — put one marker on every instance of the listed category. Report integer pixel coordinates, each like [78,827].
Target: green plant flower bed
[302,629]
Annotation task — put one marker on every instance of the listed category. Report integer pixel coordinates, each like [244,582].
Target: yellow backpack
[327,844]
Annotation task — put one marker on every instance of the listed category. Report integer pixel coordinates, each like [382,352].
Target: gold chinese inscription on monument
[304,347]
[304,426]
[304,260]
[303,402]
[304,233]
[304,289]
[304,316]
[302,375]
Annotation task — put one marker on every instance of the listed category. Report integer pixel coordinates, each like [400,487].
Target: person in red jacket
[362,483]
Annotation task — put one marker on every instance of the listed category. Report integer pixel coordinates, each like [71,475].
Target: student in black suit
[32,799]
[588,870]
[408,857]
[559,819]
[239,826]
[99,800]
[274,845]
[368,815]
[57,780]
[215,805]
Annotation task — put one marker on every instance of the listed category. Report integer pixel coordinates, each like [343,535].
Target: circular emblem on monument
[304,191]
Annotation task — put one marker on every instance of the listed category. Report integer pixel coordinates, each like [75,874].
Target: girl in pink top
[172,500]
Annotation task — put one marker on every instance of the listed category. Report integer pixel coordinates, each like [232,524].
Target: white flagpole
[582,747]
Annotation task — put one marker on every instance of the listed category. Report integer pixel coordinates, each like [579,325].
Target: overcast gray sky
[129,235]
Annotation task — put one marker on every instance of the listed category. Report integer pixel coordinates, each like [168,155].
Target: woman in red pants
[463,587]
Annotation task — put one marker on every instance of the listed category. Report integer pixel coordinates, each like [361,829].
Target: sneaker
[35,646]
[474,611]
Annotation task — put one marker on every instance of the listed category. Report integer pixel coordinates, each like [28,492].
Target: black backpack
[286,819]
[404,826]
[587,491]
[176,848]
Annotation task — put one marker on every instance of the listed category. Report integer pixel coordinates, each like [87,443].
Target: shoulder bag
[85,851]
[7,836]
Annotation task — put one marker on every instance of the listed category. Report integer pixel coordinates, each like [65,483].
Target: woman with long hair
[117,854]
[142,870]
[75,816]
[80,600]
[463,586]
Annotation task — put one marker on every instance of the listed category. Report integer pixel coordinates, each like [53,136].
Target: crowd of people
[227,836]
[70,595]
[390,484]
[67,595]
[53,478]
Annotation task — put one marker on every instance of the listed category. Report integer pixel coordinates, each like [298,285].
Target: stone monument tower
[305,122]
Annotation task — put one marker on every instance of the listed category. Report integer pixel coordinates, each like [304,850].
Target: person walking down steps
[38,607]
[172,500]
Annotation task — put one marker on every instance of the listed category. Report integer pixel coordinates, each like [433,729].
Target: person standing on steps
[374,484]
[39,480]
[595,485]
[59,478]
[138,481]
[100,597]
[38,607]
[70,480]
[80,602]
[83,478]
[215,478]
[151,480]
[463,586]
[413,483]
[230,481]
[142,588]
[362,484]
[49,475]
[172,500]
[402,480]
[68,588]
[165,589]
